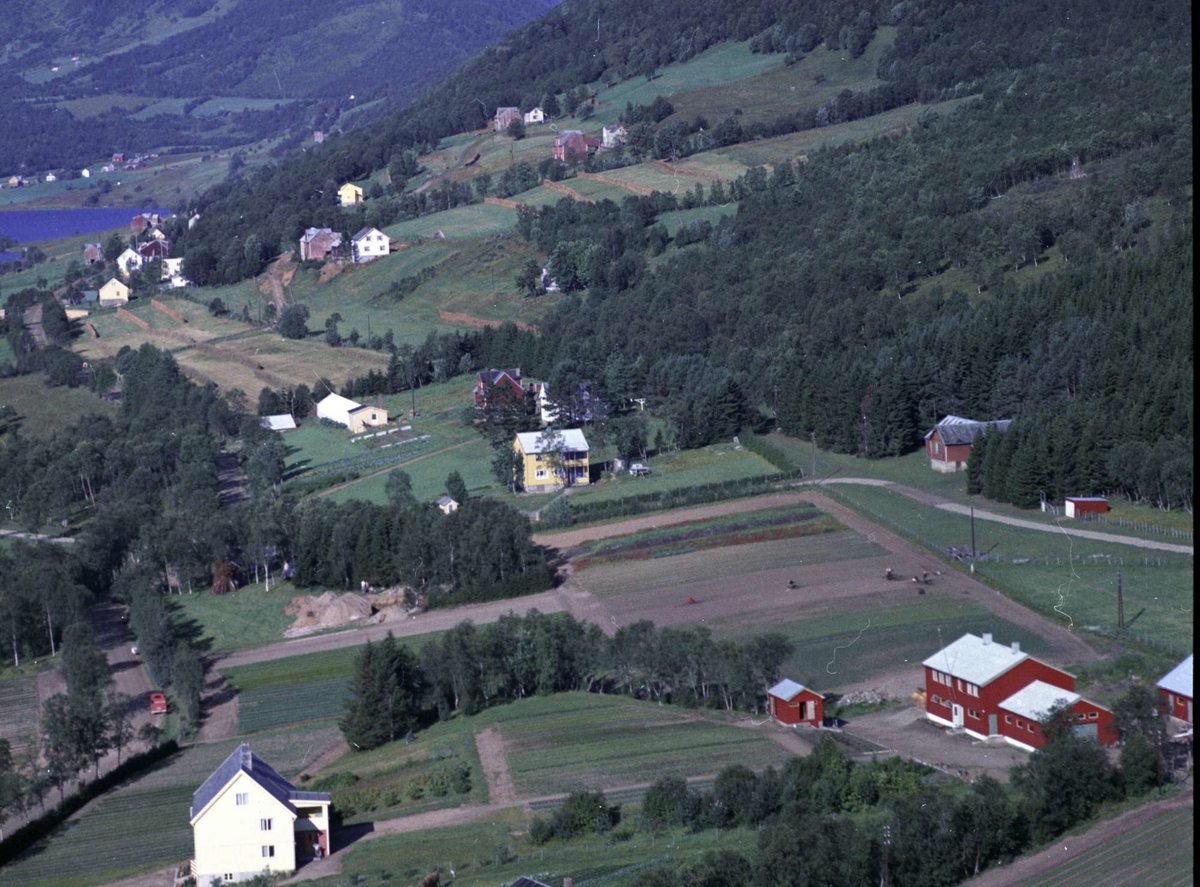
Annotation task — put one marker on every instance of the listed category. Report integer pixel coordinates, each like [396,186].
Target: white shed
[337,408]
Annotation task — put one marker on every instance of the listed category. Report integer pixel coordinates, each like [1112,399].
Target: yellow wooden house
[248,820]
[350,194]
[114,293]
[551,459]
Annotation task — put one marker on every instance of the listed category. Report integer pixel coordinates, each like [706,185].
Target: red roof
[158,703]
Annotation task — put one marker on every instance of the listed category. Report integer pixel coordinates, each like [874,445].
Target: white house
[86,173]
[613,135]
[51,177]
[535,115]
[130,260]
[247,819]
[353,415]
[172,273]
[369,244]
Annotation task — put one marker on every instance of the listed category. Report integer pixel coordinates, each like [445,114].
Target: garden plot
[19,712]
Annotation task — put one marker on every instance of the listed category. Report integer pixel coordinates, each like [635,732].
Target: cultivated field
[19,712]
[143,825]
[42,410]
[554,744]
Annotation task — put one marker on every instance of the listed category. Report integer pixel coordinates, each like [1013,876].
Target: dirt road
[1029,870]
[36,537]
[490,745]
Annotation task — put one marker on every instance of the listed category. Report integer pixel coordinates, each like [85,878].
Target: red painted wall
[789,712]
[991,695]
[1033,733]
[1174,705]
[954,453]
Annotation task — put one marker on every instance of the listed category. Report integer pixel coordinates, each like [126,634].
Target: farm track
[490,745]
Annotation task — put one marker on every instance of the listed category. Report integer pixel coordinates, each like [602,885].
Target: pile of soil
[327,611]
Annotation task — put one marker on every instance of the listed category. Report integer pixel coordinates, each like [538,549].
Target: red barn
[154,249]
[501,386]
[1026,712]
[1078,506]
[948,445]
[968,683]
[92,252]
[1176,691]
[573,146]
[791,703]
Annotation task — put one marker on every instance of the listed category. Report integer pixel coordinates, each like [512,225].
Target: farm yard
[108,840]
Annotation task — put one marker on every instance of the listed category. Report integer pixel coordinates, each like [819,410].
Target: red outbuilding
[158,704]
[791,703]
[949,443]
[1078,506]
[1025,715]
[1175,689]
[968,684]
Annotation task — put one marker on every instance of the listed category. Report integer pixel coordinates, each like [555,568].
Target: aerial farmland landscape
[562,443]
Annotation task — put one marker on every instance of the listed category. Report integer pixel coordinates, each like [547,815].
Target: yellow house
[447,505]
[365,417]
[114,293]
[350,194]
[551,459]
[247,819]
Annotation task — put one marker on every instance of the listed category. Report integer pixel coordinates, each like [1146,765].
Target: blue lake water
[32,225]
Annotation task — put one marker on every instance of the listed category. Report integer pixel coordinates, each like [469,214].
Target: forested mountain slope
[262,50]
[869,290]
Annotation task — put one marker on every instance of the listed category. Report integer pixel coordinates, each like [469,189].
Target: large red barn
[791,703]
[498,386]
[984,688]
[1175,689]
[948,445]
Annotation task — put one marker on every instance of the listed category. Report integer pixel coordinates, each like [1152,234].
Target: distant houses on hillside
[551,459]
[505,117]
[350,194]
[613,135]
[369,244]
[573,146]
[534,115]
[319,244]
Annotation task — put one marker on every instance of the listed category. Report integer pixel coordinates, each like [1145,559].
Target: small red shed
[791,703]
[1078,506]
[158,704]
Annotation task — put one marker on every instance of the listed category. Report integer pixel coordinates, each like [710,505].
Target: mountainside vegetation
[333,58]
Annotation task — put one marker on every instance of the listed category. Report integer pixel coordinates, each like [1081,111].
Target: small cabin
[1081,506]
[791,704]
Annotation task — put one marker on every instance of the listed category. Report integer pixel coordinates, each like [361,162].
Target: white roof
[447,500]
[1035,701]
[787,690]
[1179,679]
[337,402]
[572,439]
[974,660]
[281,422]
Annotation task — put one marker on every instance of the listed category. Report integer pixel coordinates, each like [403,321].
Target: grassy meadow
[42,410]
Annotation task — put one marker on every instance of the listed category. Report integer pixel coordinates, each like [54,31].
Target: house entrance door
[992,725]
[957,713]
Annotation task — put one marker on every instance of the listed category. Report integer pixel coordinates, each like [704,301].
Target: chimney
[568,882]
[1016,647]
[987,638]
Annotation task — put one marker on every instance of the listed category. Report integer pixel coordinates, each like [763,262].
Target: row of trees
[470,668]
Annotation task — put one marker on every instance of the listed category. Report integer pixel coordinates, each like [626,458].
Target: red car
[158,704]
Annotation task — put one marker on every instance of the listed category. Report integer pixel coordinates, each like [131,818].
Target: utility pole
[972,538]
[884,880]
[814,455]
[1120,604]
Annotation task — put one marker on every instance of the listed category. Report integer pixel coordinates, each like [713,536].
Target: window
[1008,719]
[935,699]
[264,825]
[540,474]
[1031,727]
[242,799]
[1093,715]
[973,713]
[1020,723]
[229,876]
[268,851]
[937,448]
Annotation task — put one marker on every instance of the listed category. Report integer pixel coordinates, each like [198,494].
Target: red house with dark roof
[499,386]
[988,689]
[948,444]
[1175,690]
[791,703]
[573,146]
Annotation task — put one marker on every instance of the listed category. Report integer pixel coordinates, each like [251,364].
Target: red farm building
[498,386]
[1175,689]
[158,704]
[791,703]
[573,146]
[1082,506]
[988,689]
[948,445]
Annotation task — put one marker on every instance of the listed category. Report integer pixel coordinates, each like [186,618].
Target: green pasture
[1157,852]
[850,647]
[472,460]
[767,152]
[94,105]
[473,220]
[1067,579]
[496,852]
[677,219]
[558,743]
[597,190]
[143,825]
[236,104]
[674,470]
[540,196]
[718,66]
[249,617]
[649,175]
[42,410]
[19,712]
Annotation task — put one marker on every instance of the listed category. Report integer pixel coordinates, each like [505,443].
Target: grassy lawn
[561,742]
[250,617]
[496,852]
[42,410]
[1159,852]
[858,645]
[475,220]
[680,218]
[671,471]
[109,840]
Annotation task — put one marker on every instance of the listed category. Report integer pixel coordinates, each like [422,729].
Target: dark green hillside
[1027,255]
